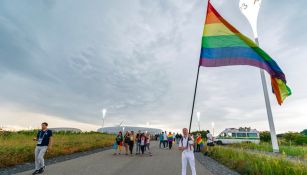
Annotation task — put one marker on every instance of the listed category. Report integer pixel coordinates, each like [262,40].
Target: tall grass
[297,151]
[18,148]
[257,164]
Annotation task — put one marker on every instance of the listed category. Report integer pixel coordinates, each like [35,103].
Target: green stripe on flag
[225,41]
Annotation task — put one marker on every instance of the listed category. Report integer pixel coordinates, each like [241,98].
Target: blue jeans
[138,148]
[39,156]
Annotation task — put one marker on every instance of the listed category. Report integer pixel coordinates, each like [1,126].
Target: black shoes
[35,172]
[40,171]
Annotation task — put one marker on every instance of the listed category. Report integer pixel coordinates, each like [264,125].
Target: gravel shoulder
[213,166]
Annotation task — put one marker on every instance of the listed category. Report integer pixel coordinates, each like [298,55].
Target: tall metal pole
[268,109]
[194,98]
[196,87]
[250,9]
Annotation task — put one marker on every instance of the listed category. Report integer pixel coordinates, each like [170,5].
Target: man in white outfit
[165,140]
[186,145]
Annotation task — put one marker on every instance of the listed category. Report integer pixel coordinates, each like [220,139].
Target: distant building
[76,130]
[116,129]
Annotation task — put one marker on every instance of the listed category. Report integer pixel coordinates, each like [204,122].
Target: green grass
[296,151]
[18,148]
[257,164]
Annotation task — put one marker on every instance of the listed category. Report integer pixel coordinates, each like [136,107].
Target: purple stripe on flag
[239,61]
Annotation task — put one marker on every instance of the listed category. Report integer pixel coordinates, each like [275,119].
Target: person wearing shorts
[119,142]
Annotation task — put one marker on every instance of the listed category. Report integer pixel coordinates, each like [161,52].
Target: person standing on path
[44,143]
[131,143]
[165,140]
[142,142]
[148,143]
[186,145]
[198,138]
[177,138]
[174,138]
[161,136]
[126,141]
[138,142]
[210,142]
[170,140]
[119,142]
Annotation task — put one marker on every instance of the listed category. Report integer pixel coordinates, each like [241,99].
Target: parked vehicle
[233,135]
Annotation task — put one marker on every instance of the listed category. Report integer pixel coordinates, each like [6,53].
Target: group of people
[200,144]
[186,143]
[140,140]
[167,139]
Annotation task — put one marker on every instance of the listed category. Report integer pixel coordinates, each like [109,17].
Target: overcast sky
[62,61]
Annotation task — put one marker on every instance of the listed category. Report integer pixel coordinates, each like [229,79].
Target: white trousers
[39,156]
[188,157]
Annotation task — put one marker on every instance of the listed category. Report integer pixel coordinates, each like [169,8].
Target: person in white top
[186,145]
[148,143]
[165,140]
[210,142]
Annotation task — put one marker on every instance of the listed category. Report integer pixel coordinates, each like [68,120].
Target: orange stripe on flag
[276,91]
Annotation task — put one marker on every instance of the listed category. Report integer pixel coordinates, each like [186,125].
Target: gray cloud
[139,60]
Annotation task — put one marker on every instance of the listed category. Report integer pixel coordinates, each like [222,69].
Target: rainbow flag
[224,45]
[170,137]
[200,142]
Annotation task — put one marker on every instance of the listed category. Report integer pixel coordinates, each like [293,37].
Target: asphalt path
[162,162]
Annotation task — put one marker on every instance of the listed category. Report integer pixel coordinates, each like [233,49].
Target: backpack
[181,140]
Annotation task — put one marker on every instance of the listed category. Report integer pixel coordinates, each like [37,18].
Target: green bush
[265,136]
[300,140]
[295,137]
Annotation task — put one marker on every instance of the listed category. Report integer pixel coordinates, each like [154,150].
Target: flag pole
[194,98]
[191,119]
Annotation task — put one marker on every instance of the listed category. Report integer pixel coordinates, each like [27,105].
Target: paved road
[163,162]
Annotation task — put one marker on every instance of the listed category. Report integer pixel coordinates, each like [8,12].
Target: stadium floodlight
[198,120]
[212,124]
[104,111]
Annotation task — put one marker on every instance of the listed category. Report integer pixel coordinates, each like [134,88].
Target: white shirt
[184,143]
[210,138]
[142,142]
[165,136]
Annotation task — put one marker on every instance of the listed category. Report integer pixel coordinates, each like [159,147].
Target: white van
[233,135]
